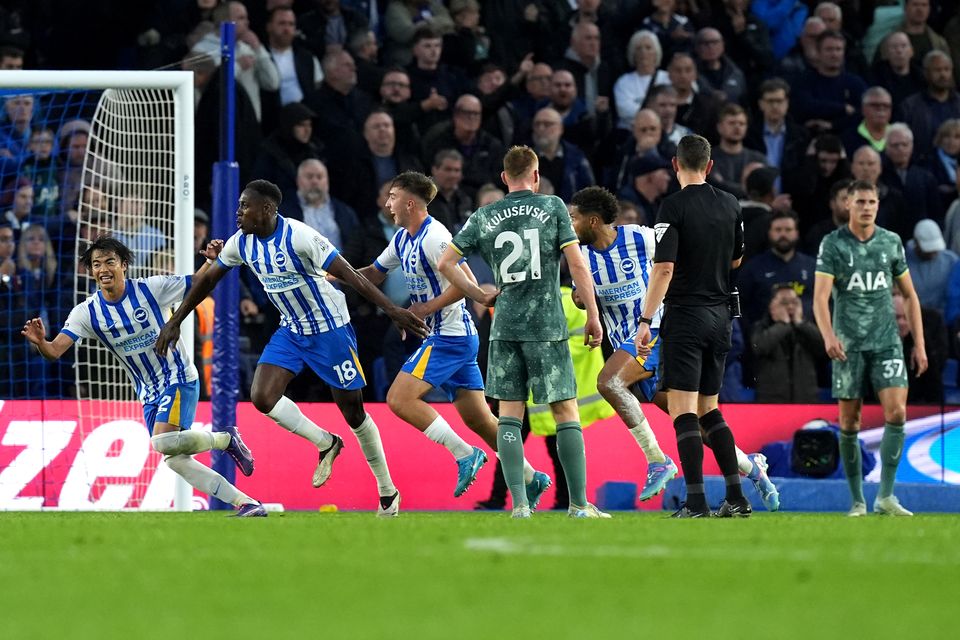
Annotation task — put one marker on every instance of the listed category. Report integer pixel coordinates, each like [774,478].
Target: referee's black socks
[690,448]
[724,450]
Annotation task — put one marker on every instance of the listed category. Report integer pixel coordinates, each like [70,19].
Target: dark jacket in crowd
[785,360]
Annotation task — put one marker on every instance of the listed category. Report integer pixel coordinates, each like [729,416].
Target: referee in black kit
[699,234]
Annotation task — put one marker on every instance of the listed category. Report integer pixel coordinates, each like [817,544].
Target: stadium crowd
[336,97]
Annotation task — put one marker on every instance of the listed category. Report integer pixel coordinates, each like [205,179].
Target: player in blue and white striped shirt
[291,260]
[447,359]
[126,316]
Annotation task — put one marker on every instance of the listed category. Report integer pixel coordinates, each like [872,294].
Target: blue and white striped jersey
[620,276]
[129,328]
[417,256]
[291,265]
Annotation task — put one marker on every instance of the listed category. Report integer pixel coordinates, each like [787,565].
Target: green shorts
[885,368]
[516,368]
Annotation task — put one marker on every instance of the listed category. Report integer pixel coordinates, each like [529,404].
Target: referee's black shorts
[696,340]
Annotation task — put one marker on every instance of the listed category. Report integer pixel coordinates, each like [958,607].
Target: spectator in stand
[629,213]
[877,108]
[675,31]
[592,75]
[313,205]
[928,387]
[897,70]
[943,161]
[284,149]
[15,132]
[468,47]
[451,206]
[329,26]
[825,164]
[499,118]
[299,70]
[41,286]
[408,116]
[366,54]
[775,134]
[580,127]
[428,76]
[644,55]
[930,264]
[746,38]
[827,96]
[730,156]
[785,20]
[695,110]
[922,37]
[73,137]
[832,16]
[342,108]
[537,89]
[839,216]
[562,162]
[647,140]
[11,58]
[519,28]
[786,348]
[916,183]
[924,112]
[780,264]
[649,182]
[717,70]
[13,353]
[404,17]
[18,217]
[893,214]
[134,230]
[42,168]
[662,99]
[803,56]
[482,153]
[612,27]
[759,206]
[357,177]
[254,69]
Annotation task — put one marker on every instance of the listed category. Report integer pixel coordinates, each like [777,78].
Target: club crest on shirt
[280,258]
[140,315]
[628,266]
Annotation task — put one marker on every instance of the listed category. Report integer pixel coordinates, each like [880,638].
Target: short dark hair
[596,201]
[10,51]
[416,183]
[829,143]
[693,152]
[829,35]
[862,185]
[265,189]
[656,92]
[447,154]
[774,84]
[731,109]
[840,185]
[785,213]
[425,32]
[106,243]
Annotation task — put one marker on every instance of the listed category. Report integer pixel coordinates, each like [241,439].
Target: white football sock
[185,441]
[645,437]
[744,463]
[288,415]
[368,436]
[207,480]
[528,471]
[440,432]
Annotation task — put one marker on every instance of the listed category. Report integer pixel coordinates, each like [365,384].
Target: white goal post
[140,147]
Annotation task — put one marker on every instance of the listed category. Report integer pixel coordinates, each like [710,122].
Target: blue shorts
[332,355]
[448,363]
[177,406]
[649,386]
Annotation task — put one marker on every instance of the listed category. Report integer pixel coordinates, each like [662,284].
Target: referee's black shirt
[700,229]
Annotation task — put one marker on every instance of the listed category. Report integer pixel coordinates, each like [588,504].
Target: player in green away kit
[522,237]
[858,263]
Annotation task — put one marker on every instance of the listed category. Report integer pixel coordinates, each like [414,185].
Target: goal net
[132,179]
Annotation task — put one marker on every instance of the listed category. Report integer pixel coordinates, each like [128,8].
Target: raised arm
[403,318]
[592,330]
[36,333]
[203,283]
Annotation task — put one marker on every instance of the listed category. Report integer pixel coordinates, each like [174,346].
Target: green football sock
[573,460]
[510,450]
[852,464]
[891,448]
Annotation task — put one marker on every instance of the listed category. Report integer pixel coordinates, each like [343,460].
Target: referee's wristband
[643,320]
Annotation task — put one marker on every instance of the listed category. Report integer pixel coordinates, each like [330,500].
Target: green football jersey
[863,274]
[521,237]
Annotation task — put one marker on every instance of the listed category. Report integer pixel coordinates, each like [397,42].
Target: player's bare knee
[895,415]
[396,400]
[263,401]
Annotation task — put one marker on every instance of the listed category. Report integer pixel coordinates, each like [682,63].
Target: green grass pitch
[468,575]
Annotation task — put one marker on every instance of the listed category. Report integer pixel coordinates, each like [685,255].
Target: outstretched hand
[212,250]
[408,321]
[34,331]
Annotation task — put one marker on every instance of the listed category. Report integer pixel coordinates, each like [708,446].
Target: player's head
[863,201]
[521,168]
[590,209]
[693,155]
[257,210]
[410,193]
[107,260]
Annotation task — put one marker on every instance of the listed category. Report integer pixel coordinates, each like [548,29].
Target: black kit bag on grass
[816,452]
